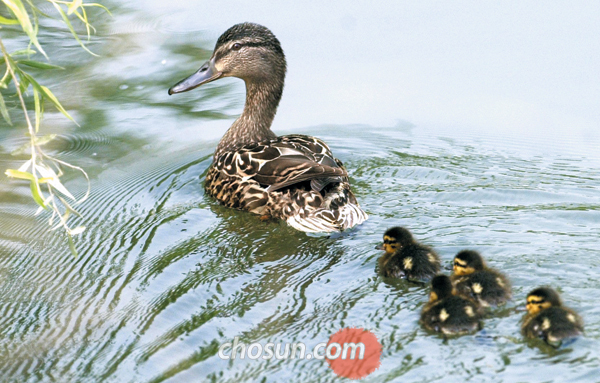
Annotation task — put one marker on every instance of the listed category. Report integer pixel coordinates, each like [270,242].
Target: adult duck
[296,177]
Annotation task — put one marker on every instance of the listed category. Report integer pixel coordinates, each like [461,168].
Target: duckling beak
[379,247]
[205,74]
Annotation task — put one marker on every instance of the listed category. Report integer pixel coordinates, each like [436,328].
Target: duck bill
[205,74]
[379,247]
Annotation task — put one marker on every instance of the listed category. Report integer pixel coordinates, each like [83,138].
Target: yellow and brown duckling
[472,278]
[548,319]
[406,258]
[448,313]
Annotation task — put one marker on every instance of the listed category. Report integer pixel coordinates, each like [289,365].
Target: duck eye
[236,46]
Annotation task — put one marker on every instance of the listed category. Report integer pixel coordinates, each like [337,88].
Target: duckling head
[396,238]
[441,287]
[467,262]
[542,298]
[247,51]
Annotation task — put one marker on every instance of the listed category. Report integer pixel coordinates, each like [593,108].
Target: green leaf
[47,94]
[20,175]
[36,193]
[69,207]
[41,209]
[70,26]
[97,5]
[50,96]
[65,218]
[72,246]
[18,10]
[4,110]
[6,79]
[39,65]
[38,110]
[22,52]
[47,172]
[78,230]
[21,149]
[10,60]
[83,17]
[43,140]
[25,80]
[74,5]
[5,21]
[36,10]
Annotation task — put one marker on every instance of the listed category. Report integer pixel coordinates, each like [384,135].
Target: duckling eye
[236,46]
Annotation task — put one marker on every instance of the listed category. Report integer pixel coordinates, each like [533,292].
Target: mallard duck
[448,313]
[405,257]
[473,278]
[296,177]
[548,319]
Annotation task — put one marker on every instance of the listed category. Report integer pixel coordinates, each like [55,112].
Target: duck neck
[254,124]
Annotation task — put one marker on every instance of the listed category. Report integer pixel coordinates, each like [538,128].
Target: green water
[165,275]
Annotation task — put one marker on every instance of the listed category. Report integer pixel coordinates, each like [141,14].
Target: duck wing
[285,161]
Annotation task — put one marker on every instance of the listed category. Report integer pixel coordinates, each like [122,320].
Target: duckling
[448,313]
[473,278]
[548,319]
[405,257]
[295,177]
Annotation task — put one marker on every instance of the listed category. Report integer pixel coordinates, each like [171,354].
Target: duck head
[247,51]
[441,287]
[541,299]
[395,239]
[467,262]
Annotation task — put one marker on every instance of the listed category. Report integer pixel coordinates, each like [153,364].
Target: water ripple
[166,275]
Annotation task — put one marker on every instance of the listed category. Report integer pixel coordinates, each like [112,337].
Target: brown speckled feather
[282,162]
[273,178]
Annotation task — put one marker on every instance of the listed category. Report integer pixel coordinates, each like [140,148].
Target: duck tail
[339,211]
[328,221]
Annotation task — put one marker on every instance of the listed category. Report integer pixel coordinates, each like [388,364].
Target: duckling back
[414,262]
[553,324]
[453,315]
[488,287]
